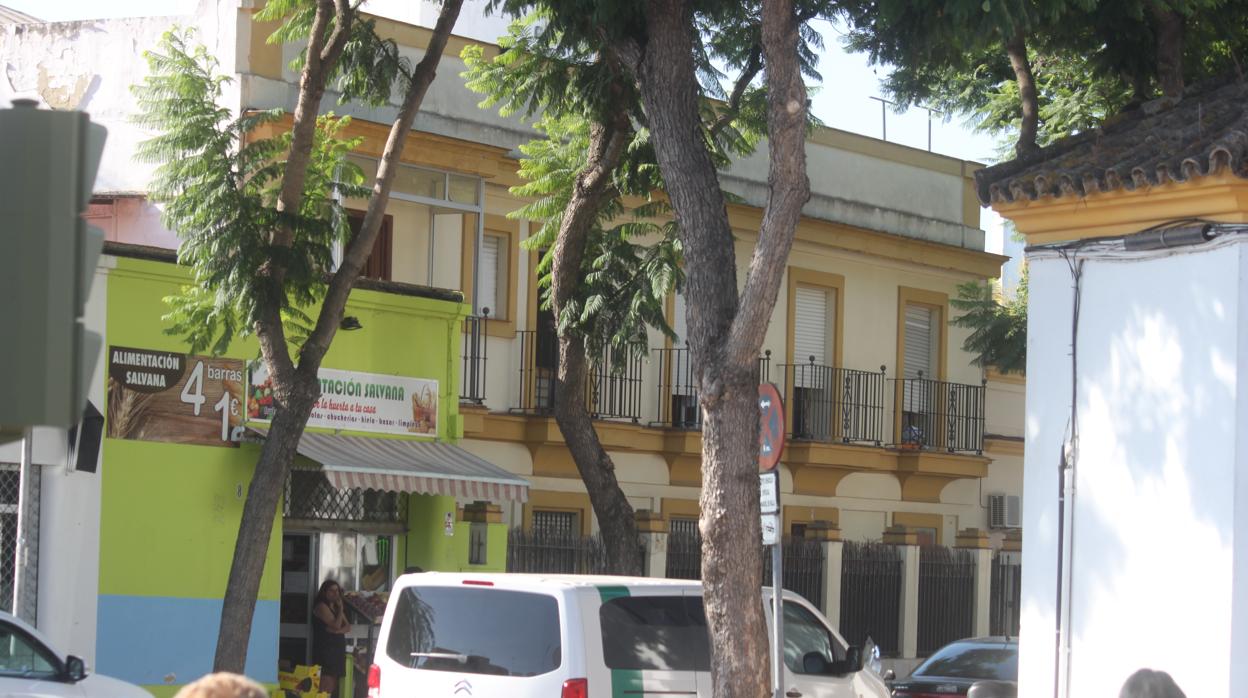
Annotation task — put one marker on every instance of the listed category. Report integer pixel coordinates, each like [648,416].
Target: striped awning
[403,465]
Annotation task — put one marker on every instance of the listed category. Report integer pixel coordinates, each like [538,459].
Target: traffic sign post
[770,447]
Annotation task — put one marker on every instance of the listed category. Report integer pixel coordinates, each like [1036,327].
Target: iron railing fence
[310,496]
[472,376]
[1005,605]
[615,384]
[678,406]
[946,596]
[684,550]
[803,564]
[539,360]
[613,389]
[801,568]
[555,552]
[830,403]
[871,580]
[939,415]
[10,567]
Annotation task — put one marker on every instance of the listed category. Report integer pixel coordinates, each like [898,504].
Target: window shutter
[487,286]
[682,364]
[920,349]
[810,326]
[679,325]
[378,264]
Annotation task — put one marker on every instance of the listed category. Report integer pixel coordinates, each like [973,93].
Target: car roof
[988,640]
[567,581]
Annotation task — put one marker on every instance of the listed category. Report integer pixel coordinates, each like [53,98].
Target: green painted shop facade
[379,487]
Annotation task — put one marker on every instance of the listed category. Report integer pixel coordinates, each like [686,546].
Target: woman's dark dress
[328,649]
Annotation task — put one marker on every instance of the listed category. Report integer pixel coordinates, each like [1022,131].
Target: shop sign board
[178,398]
[357,401]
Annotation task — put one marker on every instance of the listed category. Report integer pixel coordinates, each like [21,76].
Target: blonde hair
[223,685]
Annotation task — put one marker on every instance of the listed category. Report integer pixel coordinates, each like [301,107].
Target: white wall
[1154,525]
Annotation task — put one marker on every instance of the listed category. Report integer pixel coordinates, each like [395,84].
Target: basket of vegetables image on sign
[424,411]
[260,404]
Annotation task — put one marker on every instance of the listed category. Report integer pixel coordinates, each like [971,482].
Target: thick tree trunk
[296,388]
[1169,26]
[1016,49]
[615,514]
[725,335]
[256,527]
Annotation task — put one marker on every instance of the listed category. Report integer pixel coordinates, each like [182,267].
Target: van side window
[475,631]
[665,633]
[803,634]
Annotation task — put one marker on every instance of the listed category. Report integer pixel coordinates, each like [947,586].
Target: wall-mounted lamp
[349,323]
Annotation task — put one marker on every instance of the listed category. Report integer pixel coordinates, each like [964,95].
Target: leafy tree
[998,323]
[257,218]
[665,54]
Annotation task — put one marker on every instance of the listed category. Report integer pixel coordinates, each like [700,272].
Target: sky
[844,100]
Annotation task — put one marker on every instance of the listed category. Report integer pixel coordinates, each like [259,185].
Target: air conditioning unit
[1004,511]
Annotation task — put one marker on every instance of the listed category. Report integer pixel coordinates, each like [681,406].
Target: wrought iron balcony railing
[472,377]
[940,415]
[613,389]
[834,404]
[678,393]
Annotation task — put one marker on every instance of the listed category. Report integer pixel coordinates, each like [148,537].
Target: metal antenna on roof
[884,115]
[930,111]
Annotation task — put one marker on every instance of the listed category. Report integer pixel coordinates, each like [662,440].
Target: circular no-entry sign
[770,427]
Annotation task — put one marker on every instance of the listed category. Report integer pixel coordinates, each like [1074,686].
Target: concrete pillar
[908,617]
[830,535]
[976,541]
[652,526]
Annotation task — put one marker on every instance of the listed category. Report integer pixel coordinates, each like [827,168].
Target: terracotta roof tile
[1204,134]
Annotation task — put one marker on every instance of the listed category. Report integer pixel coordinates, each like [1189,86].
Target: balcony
[613,389]
[678,393]
[472,373]
[938,415]
[833,404]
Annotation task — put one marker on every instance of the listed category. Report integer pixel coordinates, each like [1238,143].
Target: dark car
[991,662]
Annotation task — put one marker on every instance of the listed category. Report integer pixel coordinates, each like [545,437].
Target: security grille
[555,523]
[9,485]
[310,496]
[684,549]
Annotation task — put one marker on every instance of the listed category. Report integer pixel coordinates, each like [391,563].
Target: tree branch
[1169,26]
[361,245]
[789,186]
[1016,49]
[752,67]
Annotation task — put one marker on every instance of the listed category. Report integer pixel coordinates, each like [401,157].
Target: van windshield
[664,633]
[475,631]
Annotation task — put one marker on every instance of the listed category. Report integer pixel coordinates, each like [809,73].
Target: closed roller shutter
[811,320]
[920,346]
[488,285]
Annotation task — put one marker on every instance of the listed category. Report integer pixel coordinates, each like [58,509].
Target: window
[494,284]
[476,631]
[21,655]
[657,633]
[804,634]
[920,342]
[813,309]
[379,263]
[556,523]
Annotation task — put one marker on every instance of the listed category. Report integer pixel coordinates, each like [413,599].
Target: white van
[543,636]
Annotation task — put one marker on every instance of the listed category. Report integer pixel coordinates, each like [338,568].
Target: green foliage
[218,182]
[632,260]
[998,325]
[1090,59]
[370,67]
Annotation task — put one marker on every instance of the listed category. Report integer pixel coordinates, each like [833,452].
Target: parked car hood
[108,687]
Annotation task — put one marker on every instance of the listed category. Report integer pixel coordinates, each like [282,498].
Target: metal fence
[940,415]
[678,393]
[871,579]
[828,403]
[555,552]
[1006,598]
[946,596]
[472,384]
[539,359]
[10,566]
[803,565]
[309,496]
[615,386]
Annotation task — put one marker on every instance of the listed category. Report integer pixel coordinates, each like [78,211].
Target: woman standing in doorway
[329,636]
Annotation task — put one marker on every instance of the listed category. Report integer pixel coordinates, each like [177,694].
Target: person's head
[1147,683]
[329,592]
[222,685]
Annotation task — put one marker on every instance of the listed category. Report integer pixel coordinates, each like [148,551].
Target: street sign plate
[770,427]
[771,528]
[769,492]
